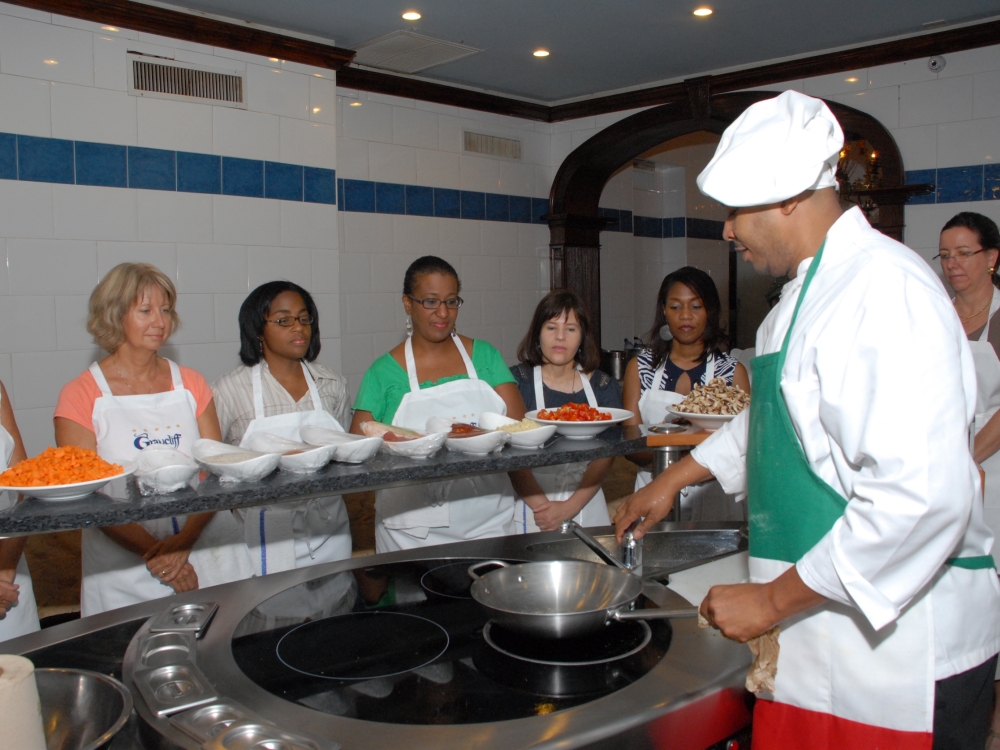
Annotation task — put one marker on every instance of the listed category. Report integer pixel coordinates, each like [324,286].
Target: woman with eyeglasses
[436,372]
[131,399]
[278,390]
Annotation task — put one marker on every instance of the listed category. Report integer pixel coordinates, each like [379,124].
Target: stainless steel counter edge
[121,502]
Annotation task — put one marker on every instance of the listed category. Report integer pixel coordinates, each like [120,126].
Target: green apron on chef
[790,506]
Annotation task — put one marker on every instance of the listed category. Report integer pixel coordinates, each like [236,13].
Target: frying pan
[561,598]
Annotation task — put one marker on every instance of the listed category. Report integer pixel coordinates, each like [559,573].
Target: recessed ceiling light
[355,104]
[411,15]
[541,53]
[318,75]
[702,12]
[273,59]
[315,110]
[51,62]
[852,79]
[110,28]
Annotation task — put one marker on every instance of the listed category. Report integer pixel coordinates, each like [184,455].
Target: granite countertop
[120,501]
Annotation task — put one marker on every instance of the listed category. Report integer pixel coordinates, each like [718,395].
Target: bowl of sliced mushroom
[712,405]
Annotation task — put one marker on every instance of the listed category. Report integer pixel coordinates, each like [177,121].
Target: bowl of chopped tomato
[66,473]
[579,421]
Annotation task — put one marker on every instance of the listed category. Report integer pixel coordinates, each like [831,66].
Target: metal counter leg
[664,456]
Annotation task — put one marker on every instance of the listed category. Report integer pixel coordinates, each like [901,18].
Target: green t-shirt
[384,385]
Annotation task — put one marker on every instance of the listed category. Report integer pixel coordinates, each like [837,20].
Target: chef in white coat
[278,390]
[437,372]
[867,543]
[18,613]
[558,365]
[130,399]
[683,351]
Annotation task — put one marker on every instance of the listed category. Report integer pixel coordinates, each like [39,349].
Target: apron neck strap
[994,306]
[175,375]
[710,365]
[411,362]
[658,375]
[102,382]
[258,389]
[540,388]
[813,267]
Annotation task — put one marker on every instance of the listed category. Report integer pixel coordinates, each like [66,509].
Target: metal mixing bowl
[81,710]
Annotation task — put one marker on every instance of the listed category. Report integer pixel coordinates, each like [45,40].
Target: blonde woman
[130,399]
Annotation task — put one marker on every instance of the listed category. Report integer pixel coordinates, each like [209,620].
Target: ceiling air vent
[492,145]
[408,52]
[168,79]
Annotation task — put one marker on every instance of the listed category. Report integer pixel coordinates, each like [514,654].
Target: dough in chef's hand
[21,716]
[765,663]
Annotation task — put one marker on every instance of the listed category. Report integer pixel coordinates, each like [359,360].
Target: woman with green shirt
[437,373]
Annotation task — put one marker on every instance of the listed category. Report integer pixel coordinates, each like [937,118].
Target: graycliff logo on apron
[143,439]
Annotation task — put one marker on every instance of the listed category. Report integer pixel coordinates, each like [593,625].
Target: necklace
[114,361]
[979,312]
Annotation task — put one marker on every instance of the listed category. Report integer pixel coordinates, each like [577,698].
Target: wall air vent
[492,145]
[644,175]
[408,52]
[168,79]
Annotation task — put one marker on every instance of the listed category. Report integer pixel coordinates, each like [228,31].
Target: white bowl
[422,447]
[584,430]
[72,491]
[162,469]
[348,449]
[250,470]
[526,439]
[310,458]
[479,445]
[709,422]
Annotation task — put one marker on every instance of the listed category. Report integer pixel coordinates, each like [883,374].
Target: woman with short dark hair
[558,365]
[278,390]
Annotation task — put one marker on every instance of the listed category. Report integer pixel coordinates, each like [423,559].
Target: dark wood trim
[194,28]
[398,85]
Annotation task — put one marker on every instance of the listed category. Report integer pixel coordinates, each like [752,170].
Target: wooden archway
[574,223]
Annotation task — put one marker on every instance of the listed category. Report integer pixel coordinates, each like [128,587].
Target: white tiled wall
[57,240]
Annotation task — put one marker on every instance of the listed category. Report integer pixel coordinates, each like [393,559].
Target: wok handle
[587,539]
[653,614]
[474,568]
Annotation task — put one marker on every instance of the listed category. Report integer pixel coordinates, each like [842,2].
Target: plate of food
[402,442]
[296,457]
[579,421]
[233,464]
[162,469]
[66,473]
[467,438]
[347,448]
[526,433]
[712,405]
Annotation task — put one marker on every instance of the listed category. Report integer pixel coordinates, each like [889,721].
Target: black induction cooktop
[406,644]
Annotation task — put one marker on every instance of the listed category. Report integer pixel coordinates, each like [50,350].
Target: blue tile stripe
[976,182]
[31,158]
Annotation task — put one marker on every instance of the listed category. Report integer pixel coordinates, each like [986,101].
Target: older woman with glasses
[436,372]
[131,399]
[279,389]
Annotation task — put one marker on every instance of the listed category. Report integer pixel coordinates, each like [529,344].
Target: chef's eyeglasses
[960,257]
[433,303]
[289,321]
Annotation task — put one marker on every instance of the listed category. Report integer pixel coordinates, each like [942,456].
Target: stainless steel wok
[560,598]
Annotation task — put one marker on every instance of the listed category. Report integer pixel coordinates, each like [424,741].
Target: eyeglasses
[960,257]
[432,303]
[289,321]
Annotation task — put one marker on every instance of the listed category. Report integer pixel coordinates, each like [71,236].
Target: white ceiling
[600,46]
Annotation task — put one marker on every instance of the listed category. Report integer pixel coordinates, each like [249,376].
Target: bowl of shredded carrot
[65,473]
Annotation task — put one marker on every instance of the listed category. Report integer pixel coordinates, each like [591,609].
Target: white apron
[457,509]
[559,482]
[114,577]
[22,618]
[297,534]
[704,502]
[987,404]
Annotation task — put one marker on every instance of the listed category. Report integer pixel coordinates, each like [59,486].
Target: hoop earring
[409,326]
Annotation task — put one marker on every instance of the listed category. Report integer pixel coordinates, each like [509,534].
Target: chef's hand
[186,580]
[166,563]
[8,596]
[551,513]
[746,610]
[655,500]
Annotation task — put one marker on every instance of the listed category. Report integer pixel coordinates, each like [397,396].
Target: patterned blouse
[725,367]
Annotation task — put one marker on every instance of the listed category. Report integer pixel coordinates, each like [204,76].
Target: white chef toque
[773,151]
